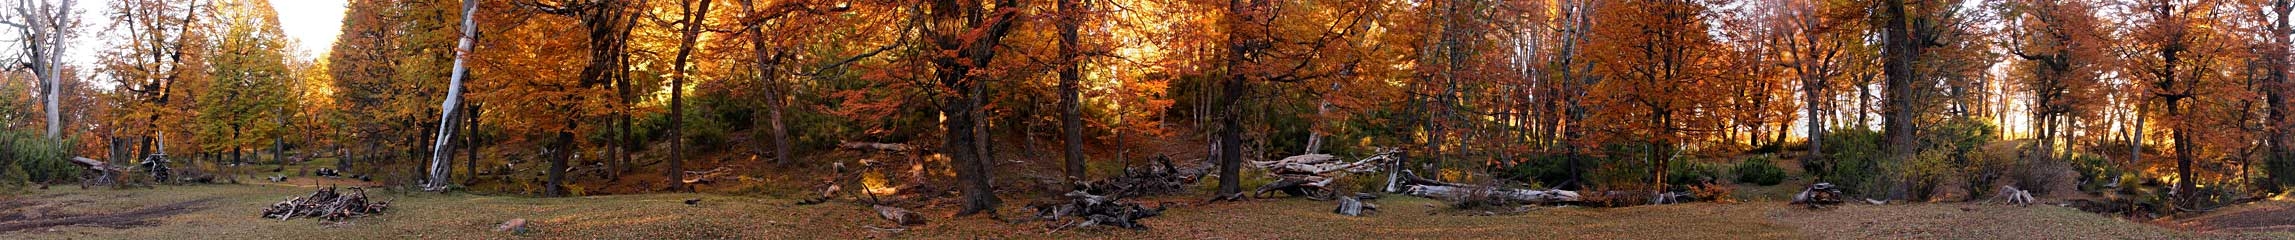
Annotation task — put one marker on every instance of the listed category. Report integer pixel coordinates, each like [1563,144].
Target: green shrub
[34,158]
[1686,172]
[1854,161]
[1759,170]
[1550,170]
[1925,172]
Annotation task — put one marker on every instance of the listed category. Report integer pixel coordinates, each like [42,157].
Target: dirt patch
[43,218]
[2254,217]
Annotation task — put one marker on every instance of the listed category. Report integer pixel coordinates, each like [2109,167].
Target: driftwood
[1415,186]
[1818,195]
[1090,210]
[1506,195]
[1311,175]
[888,147]
[2015,196]
[327,204]
[1354,206]
[899,216]
[706,177]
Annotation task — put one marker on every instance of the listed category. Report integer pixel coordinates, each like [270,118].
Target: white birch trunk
[439,153]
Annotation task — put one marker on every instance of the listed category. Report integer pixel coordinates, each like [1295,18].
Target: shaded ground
[2259,217]
[229,212]
[32,213]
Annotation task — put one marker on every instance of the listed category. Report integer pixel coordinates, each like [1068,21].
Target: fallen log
[2017,197]
[899,216]
[1817,196]
[1311,175]
[1502,195]
[888,147]
[1355,207]
[1090,210]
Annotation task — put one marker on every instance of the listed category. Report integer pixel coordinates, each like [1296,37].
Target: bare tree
[45,26]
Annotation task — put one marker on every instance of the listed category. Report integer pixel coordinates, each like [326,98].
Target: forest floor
[229,212]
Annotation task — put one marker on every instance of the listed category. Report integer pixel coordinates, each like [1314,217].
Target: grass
[664,216]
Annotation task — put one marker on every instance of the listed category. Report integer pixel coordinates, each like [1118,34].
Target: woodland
[1092,113]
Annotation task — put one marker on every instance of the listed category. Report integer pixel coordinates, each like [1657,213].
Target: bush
[1686,172]
[1759,171]
[1549,170]
[1854,162]
[1925,172]
[30,157]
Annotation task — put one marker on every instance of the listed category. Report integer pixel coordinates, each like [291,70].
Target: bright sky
[312,23]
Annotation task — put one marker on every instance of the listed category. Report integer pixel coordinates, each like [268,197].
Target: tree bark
[1071,121]
[440,149]
[1902,50]
[692,21]
[952,20]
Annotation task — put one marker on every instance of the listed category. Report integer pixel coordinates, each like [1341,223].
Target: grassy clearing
[664,216]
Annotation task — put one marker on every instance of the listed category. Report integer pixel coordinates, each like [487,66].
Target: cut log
[1351,206]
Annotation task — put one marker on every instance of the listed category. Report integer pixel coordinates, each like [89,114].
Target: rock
[514,226]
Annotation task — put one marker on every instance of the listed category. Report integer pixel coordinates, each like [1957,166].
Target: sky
[312,23]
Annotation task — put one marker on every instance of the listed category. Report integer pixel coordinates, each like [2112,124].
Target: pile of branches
[1085,209]
[1160,179]
[1311,175]
[327,204]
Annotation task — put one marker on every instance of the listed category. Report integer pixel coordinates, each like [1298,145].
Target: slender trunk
[693,19]
[1071,122]
[440,148]
[470,145]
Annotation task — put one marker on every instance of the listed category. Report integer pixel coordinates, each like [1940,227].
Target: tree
[1657,53]
[691,22]
[46,26]
[239,109]
[2061,44]
[965,33]
[160,50]
[2175,58]
[1071,121]
[440,160]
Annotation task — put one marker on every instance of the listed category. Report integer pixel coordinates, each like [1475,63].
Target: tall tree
[1659,53]
[966,32]
[46,27]
[693,18]
[440,153]
[1071,119]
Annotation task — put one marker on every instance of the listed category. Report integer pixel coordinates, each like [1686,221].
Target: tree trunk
[561,153]
[470,145]
[1071,121]
[769,78]
[974,48]
[1903,49]
[440,149]
[692,21]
